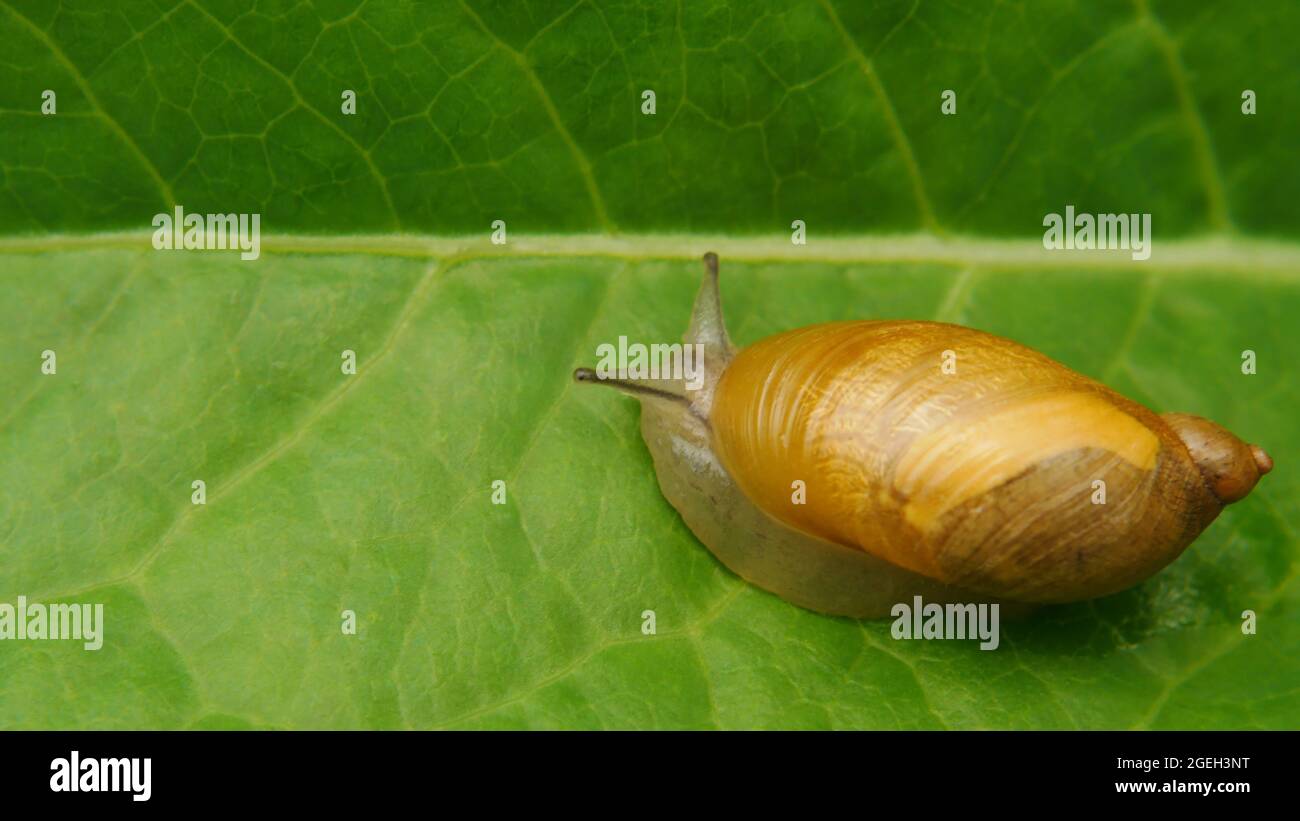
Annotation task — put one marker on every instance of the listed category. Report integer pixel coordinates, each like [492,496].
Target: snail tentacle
[708,330]
[635,387]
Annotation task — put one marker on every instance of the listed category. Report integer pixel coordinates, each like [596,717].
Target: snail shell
[959,485]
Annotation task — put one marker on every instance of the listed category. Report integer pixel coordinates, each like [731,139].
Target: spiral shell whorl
[896,455]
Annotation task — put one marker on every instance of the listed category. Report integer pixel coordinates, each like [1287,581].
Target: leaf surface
[371,492]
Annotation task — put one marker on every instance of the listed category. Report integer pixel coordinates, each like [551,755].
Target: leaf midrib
[1256,258]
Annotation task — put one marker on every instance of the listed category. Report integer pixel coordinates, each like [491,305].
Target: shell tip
[1262,460]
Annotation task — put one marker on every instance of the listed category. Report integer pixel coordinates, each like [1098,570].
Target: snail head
[708,330]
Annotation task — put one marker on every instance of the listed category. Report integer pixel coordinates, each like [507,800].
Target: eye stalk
[629,386]
[708,330]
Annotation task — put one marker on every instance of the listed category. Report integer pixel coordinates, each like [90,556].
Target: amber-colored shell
[980,477]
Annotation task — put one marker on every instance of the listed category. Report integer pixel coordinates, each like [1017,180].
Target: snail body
[850,466]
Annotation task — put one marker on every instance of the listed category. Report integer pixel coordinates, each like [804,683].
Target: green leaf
[766,112]
[372,492]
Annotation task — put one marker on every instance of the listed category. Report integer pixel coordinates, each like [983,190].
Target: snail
[850,466]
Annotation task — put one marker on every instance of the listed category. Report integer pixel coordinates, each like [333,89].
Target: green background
[372,492]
